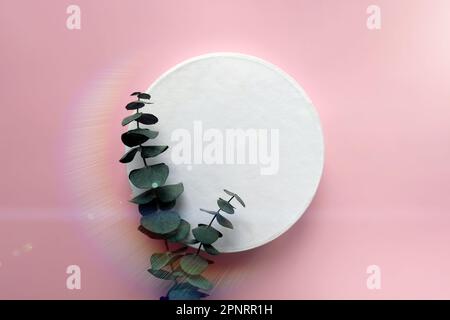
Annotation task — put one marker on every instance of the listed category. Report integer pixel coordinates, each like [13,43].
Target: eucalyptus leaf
[170,192]
[149,177]
[161,222]
[144,96]
[236,196]
[186,294]
[147,118]
[193,264]
[211,250]
[182,232]
[145,132]
[135,105]
[209,211]
[144,197]
[152,151]
[225,206]
[131,118]
[159,260]
[205,234]
[148,208]
[151,235]
[129,156]
[132,139]
[161,274]
[191,241]
[200,282]
[224,222]
[167,205]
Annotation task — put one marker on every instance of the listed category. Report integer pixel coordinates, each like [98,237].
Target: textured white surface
[227,90]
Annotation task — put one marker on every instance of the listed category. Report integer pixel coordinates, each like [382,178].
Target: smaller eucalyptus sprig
[193,265]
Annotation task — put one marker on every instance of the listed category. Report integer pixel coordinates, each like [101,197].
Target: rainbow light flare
[100,190]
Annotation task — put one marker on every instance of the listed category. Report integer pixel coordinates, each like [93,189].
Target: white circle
[226,92]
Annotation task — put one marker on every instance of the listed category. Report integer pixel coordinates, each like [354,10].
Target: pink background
[384,102]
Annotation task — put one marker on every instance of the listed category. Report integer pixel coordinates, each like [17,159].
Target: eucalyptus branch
[159,221]
[211,222]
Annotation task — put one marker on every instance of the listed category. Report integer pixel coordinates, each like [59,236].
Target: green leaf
[149,177]
[211,250]
[159,260]
[225,206]
[191,241]
[200,282]
[170,192]
[145,132]
[167,205]
[161,222]
[132,139]
[135,93]
[205,234]
[205,225]
[135,105]
[144,96]
[182,232]
[148,208]
[129,156]
[152,151]
[147,118]
[236,196]
[224,222]
[161,274]
[209,211]
[144,197]
[193,264]
[131,118]
[185,291]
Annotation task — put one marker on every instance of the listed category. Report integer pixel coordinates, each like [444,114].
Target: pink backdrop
[383,97]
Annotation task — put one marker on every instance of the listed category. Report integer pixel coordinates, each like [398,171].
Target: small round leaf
[148,208]
[129,156]
[147,118]
[170,192]
[232,194]
[205,234]
[144,96]
[209,211]
[224,222]
[182,232]
[211,250]
[145,197]
[132,139]
[135,105]
[200,282]
[193,264]
[225,206]
[161,274]
[159,260]
[161,222]
[149,177]
[152,151]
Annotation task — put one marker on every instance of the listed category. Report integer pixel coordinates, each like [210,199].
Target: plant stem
[209,225]
[137,124]
[171,263]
